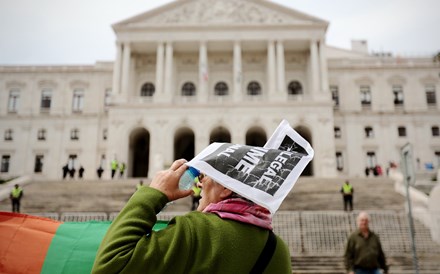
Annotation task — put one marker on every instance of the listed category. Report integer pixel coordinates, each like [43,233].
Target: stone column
[237,72]
[281,69]
[314,67]
[203,72]
[323,67]
[168,80]
[126,68]
[117,69]
[159,69]
[271,69]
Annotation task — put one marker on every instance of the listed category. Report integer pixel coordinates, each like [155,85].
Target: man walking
[363,252]
[114,167]
[347,194]
[15,196]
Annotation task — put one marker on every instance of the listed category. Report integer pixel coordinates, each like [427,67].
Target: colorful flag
[31,244]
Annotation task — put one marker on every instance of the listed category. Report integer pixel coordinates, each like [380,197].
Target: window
[107,97]
[147,90]
[365,95]
[14,96]
[431,100]
[435,131]
[38,163]
[78,100]
[371,159]
[295,88]
[104,134]
[401,131]
[5,163]
[188,89]
[335,95]
[337,132]
[339,161]
[46,99]
[221,89]
[398,95]
[437,156]
[253,88]
[41,136]
[71,162]
[369,133]
[74,134]
[9,135]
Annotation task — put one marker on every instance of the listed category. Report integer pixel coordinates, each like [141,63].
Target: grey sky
[79,31]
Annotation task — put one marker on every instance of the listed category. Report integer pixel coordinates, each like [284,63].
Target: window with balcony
[365,92]
[13,101]
[339,161]
[9,135]
[295,88]
[254,88]
[147,90]
[38,167]
[369,133]
[398,95]
[435,131]
[188,89]
[46,100]
[401,131]
[5,163]
[78,100]
[431,98]
[335,95]
[221,89]
[41,135]
[74,134]
[337,131]
[371,159]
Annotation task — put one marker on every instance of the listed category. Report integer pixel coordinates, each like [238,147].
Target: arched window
[253,88]
[188,89]
[295,88]
[221,89]
[147,90]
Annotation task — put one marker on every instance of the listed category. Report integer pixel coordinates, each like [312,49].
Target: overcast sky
[79,31]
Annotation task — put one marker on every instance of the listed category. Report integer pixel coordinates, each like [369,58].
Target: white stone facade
[196,71]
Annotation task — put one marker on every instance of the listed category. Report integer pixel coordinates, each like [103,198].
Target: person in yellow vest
[347,194]
[195,197]
[121,170]
[15,196]
[114,167]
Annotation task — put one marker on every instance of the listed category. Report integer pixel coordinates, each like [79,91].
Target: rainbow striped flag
[31,244]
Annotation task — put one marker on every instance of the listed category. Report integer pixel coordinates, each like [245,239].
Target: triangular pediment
[220,13]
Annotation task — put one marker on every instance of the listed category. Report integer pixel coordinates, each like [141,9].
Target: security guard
[15,196]
[114,167]
[347,193]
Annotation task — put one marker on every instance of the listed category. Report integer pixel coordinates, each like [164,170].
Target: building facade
[199,71]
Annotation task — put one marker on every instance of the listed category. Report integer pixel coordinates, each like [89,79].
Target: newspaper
[264,175]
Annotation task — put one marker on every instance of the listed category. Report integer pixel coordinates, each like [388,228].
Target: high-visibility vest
[16,192]
[114,165]
[197,191]
[122,167]
[347,189]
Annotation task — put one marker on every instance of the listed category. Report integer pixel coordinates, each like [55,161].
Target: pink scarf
[242,211]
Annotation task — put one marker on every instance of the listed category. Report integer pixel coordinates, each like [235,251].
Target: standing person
[227,233]
[195,197]
[72,172]
[99,171]
[347,191]
[121,170]
[15,196]
[138,186]
[80,172]
[363,252]
[65,171]
[114,167]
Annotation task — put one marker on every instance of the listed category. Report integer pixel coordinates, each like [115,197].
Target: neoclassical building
[194,72]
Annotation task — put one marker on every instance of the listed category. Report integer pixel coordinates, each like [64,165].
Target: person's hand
[167,181]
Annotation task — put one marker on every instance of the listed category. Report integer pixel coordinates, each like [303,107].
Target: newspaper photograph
[264,175]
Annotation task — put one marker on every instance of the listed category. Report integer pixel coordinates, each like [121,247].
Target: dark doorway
[220,135]
[305,133]
[139,153]
[256,137]
[184,144]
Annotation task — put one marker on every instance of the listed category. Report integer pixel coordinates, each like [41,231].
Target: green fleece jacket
[194,243]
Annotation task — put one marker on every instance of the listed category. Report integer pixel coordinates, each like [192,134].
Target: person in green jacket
[226,234]
[363,252]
